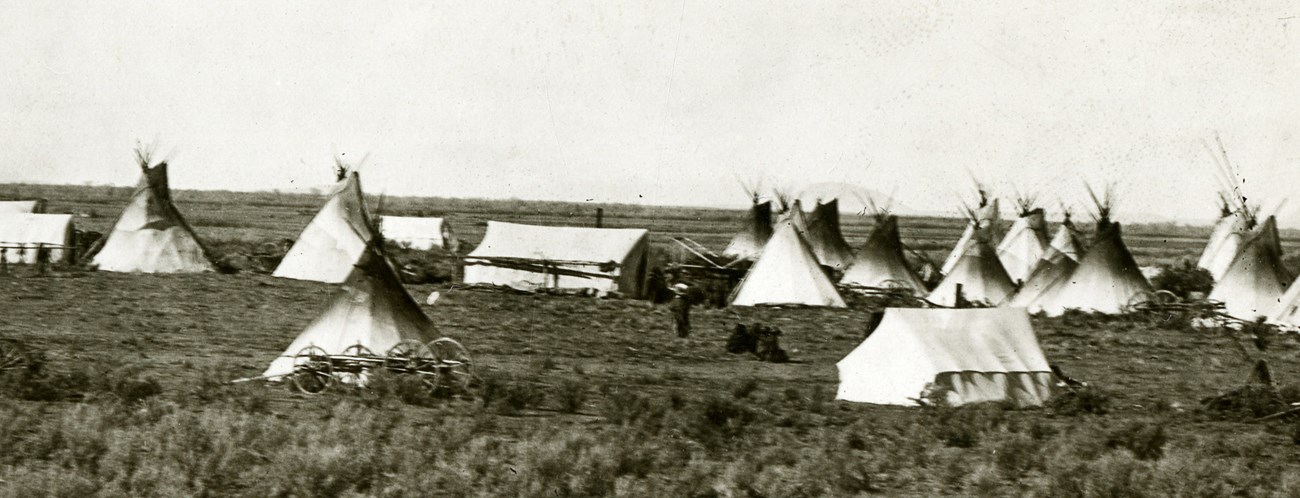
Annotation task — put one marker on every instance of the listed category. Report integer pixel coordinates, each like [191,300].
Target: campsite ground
[586,397]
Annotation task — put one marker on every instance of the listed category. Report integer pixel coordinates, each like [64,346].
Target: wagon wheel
[312,371]
[1142,301]
[455,370]
[13,355]
[355,373]
[409,355]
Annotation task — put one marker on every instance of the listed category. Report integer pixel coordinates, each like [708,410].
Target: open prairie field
[584,397]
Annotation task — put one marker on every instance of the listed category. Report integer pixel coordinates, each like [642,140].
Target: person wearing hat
[681,308]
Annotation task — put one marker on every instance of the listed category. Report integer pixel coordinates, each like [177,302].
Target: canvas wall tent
[1054,266]
[881,262]
[1107,279]
[1024,243]
[1256,280]
[755,232]
[1067,240]
[417,233]
[10,207]
[371,308]
[334,239]
[787,272]
[22,234]
[979,272]
[825,237]
[986,216]
[530,257]
[151,236]
[974,355]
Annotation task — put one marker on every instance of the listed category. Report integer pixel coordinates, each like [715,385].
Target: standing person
[681,308]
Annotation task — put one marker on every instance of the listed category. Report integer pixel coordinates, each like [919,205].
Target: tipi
[151,236]
[754,232]
[1054,266]
[34,207]
[977,270]
[972,355]
[1236,220]
[880,262]
[986,216]
[1107,279]
[787,272]
[371,308]
[1256,280]
[1067,240]
[335,239]
[825,237]
[1025,242]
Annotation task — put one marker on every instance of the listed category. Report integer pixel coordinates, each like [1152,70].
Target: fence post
[600,217]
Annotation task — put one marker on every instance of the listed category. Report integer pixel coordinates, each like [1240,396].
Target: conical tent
[979,272]
[151,236]
[1024,244]
[1107,279]
[1067,241]
[1254,284]
[35,207]
[825,237]
[1225,242]
[787,272]
[371,309]
[985,216]
[1054,266]
[881,262]
[757,229]
[334,240]
[972,355]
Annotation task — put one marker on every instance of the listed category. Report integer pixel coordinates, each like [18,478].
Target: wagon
[443,365]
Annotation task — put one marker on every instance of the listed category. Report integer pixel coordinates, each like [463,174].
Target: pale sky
[662,102]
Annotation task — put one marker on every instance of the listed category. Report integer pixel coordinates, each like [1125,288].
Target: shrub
[571,394]
[962,427]
[1145,440]
[744,388]
[505,396]
[1183,279]
[1084,400]
[1250,401]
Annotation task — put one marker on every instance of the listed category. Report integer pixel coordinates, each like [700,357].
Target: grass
[585,397]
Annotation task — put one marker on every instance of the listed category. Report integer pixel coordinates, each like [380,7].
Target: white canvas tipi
[1067,240]
[987,217]
[881,262]
[1054,266]
[371,308]
[1256,280]
[334,240]
[978,271]
[1025,242]
[972,355]
[151,236]
[787,272]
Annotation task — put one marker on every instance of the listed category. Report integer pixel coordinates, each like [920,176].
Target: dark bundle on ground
[763,341]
